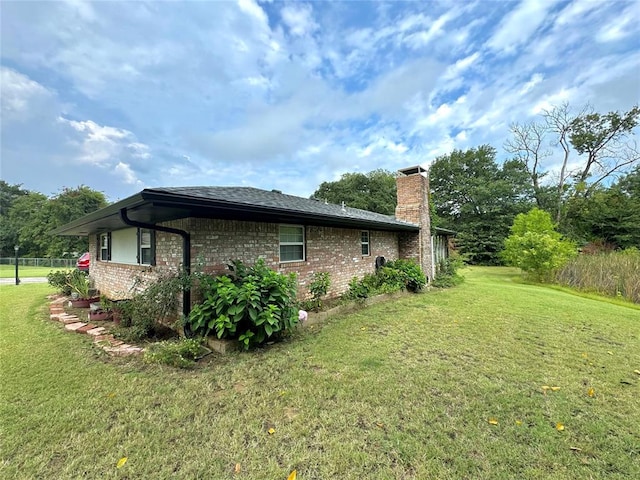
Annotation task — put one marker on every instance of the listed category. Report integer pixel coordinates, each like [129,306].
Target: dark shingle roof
[155,205]
[274,199]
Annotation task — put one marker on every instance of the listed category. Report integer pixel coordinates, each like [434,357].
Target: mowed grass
[9,271]
[399,390]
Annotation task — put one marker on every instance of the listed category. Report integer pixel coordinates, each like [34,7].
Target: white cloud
[250,92]
[536,78]
[299,19]
[21,97]
[253,9]
[621,27]
[423,37]
[125,172]
[519,25]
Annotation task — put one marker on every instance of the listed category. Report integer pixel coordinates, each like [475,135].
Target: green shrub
[410,273]
[252,304]
[181,354]
[158,303]
[394,276]
[69,281]
[319,286]
[447,271]
[535,246]
[58,280]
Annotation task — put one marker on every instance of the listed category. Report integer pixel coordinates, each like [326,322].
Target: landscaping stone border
[101,337]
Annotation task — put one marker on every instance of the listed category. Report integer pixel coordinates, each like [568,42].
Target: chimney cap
[412,170]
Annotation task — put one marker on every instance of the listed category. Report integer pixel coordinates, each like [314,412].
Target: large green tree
[30,217]
[589,149]
[609,215]
[479,199]
[8,230]
[374,191]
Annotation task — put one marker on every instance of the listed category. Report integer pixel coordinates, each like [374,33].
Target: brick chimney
[413,206]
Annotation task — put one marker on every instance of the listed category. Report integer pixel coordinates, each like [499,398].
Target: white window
[145,246]
[105,247]
[291,243]
[132,246]
[364,242]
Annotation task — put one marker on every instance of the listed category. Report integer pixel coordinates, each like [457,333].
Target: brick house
[160,230]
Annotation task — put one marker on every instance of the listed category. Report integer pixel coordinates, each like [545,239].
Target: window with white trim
[145,246]
[364,243]
[105,247]
[291,243]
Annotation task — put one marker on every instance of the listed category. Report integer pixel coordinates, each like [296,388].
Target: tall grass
[616,274]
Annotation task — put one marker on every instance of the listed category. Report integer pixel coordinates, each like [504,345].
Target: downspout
[186,254]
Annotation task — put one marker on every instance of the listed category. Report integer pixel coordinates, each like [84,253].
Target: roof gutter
[186,254]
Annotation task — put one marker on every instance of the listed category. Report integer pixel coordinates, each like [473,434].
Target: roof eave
[191,205]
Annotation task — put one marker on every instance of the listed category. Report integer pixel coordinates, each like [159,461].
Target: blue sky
[120,96]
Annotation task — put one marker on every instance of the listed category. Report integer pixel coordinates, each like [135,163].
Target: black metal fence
[39,262]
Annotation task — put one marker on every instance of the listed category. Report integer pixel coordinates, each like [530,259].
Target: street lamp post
[16,248]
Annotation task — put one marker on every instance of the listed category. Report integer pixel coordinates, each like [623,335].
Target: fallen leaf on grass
[380,425]
[237,469]
[591,392]
[610,353]
[363,328]
[493,421]
[271,431]
[518,422]
[559,426]
[293,475]
[121,462]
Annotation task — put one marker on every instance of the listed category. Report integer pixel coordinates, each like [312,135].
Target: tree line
[593,193]
[27,217]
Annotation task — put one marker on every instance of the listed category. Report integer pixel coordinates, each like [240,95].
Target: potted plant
[79,284]
[102,310]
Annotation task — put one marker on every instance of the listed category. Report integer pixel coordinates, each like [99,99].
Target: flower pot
[80,303]
[99,315]
[83,302]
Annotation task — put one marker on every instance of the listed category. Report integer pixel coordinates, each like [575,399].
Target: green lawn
[9,271]
[400,390]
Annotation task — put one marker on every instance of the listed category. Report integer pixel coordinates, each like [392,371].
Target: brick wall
[214,243]
[413,206]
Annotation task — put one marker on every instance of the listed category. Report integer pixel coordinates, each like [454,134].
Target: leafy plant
[409,272]
[447,271]
[58,280]
[70,281]
[319,286]
[158,303]
[535,246]
[394,276]
[181,354]
[252,304]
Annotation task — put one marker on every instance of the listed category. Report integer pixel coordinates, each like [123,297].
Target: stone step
[74,326]
[86,328]
[123,350]
[68,319]
[94,332]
